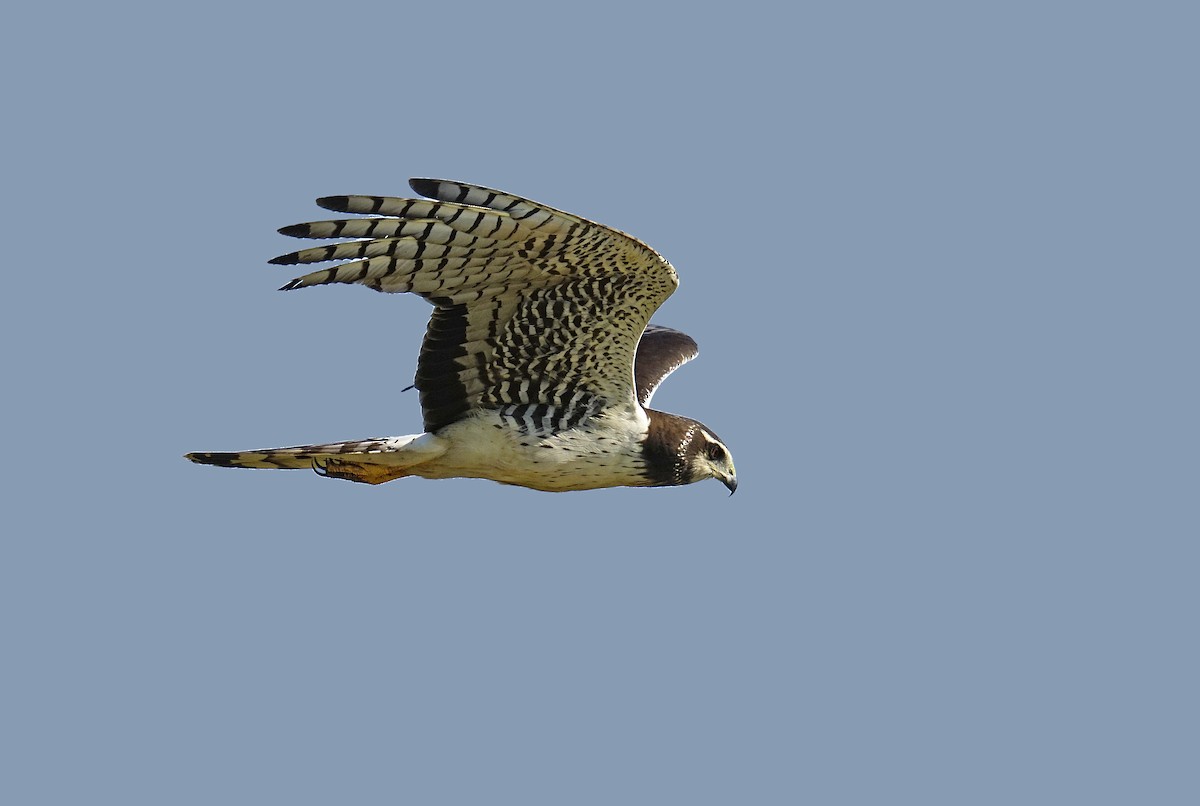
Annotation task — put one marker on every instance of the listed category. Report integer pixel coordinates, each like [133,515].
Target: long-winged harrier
[537,366]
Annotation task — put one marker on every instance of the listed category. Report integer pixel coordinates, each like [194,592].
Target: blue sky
[941,264]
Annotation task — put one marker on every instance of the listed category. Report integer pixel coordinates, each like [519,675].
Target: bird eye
[714,451]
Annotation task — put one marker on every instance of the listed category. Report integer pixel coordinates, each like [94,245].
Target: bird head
[680,450]
[711,459]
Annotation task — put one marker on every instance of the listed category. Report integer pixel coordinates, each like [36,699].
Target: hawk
[538,363]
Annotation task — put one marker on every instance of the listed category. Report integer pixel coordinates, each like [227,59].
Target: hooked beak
[730,482]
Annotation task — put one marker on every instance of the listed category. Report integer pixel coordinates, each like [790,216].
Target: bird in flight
[538,363]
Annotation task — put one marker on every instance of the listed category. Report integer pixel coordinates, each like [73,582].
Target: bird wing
[660,352]
[538,312]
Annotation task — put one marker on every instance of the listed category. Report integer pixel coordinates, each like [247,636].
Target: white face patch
[718,459]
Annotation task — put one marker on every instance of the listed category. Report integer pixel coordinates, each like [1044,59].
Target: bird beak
[730,482]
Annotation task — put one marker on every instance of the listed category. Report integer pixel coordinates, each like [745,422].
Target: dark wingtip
[336,203]
[286,260]
[294,230]
[426,187]
[293,284]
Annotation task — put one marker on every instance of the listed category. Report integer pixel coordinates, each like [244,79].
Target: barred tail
[299,457]
[339,459]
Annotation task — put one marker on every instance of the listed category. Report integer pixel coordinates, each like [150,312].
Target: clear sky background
[941,260]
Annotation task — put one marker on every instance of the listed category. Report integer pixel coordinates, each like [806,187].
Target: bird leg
[357,471]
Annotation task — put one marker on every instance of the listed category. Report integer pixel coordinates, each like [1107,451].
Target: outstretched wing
[538,312]
[660,352]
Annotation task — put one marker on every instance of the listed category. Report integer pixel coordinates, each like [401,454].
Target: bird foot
[356,471]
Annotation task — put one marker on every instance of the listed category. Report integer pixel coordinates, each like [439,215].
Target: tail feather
[392,452]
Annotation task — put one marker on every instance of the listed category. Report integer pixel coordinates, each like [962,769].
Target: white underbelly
[485,446]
